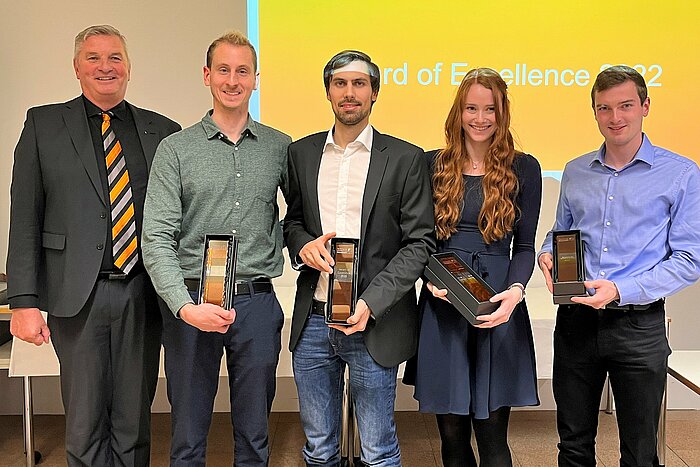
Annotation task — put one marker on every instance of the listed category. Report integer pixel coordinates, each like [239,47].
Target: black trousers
[109,355]
[631,347]
[192,362]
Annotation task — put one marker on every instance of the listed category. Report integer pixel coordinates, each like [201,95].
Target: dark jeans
[631,347]
[192,362]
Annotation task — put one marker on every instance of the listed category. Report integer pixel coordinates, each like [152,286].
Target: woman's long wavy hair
[500,183]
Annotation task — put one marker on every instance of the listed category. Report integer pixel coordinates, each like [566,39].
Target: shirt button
[238,175]
[233,231]
[602,273]
[237,203]
[100,246]
[605,249]
[236,148]
[615,174]
[610,198]
[103,215]
[607,223]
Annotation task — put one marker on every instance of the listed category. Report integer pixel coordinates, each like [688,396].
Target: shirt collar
[212,130]
[365,138]
[118,111]
[645,153]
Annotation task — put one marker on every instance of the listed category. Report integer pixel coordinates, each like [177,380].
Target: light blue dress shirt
[640,224]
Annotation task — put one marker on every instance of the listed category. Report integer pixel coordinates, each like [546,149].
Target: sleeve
[295,234]
[682,267]
[430,157]
[528,201]
[417,237]
[284,184]
[26,221]
[284,181]
[162,223]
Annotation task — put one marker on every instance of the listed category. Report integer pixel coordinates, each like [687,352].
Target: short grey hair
[98,30]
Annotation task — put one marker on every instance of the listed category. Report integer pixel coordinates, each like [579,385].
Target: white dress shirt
[341,185]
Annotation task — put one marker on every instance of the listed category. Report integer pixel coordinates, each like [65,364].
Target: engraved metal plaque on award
[217,281]
[342,283]
[569,269]
[466,290]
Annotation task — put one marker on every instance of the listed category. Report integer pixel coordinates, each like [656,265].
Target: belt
[318,308]
[239,288]
[648,306]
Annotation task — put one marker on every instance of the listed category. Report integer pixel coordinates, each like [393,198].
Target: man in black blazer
[66,208]
[355,182]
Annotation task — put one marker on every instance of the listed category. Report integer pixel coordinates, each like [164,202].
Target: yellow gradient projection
[549,52]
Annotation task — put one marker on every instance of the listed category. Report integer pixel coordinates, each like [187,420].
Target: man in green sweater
[219,176]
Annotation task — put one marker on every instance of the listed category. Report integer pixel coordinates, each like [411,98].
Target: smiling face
[103,70]
[619,114]
[351,96]
[231,78]
[479,115]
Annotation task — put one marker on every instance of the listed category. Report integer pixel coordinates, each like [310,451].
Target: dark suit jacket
[395,241]
[59,218]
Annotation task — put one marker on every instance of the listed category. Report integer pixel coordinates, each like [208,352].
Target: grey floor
[532,438]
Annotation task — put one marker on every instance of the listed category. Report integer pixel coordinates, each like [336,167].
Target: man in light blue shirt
[636,206]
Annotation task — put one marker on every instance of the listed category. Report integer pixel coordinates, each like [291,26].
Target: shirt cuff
[630,292]
[541,252]
[297,263]
[177,300]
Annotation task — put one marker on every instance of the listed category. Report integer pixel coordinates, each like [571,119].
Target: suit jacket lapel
[79,130]
[312,170]
[147,136]
[377,166]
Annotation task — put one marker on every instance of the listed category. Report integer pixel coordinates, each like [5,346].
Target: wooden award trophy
[217,281]
[466,290]
[342,283]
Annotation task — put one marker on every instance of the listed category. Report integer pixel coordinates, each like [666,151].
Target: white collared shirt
[341,185]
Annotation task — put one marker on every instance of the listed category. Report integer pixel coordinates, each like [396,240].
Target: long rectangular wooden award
[217,281]
[466,290]
[569,269]
[342,283]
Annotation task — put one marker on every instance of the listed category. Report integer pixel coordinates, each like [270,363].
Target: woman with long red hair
[487,201]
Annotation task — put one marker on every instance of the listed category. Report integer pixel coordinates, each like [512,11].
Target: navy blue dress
[464,370]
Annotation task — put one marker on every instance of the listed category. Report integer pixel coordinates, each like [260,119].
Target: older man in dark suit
[78,187]
[353,181]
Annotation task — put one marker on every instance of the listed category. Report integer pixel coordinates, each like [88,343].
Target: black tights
[491,439]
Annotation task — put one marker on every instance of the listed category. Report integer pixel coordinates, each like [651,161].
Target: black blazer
[59,218]
[397,235]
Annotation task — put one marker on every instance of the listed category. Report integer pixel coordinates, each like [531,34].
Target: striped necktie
[124,242]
